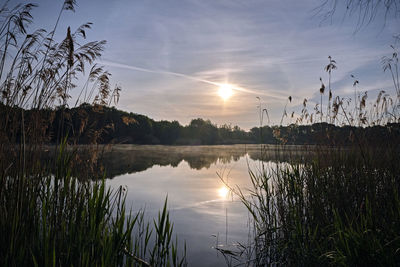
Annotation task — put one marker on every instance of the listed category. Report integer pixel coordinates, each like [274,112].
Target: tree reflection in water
[122,159]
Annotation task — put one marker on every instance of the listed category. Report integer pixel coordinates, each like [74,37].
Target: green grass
[340,208]
[57,220]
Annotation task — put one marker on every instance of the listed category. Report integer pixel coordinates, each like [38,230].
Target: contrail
[124,66]
[130,67]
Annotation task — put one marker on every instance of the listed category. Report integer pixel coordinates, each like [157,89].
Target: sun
[225,91]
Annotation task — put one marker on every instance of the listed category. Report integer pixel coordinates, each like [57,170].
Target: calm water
[204,213]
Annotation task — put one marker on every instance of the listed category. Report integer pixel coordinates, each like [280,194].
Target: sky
[169,56]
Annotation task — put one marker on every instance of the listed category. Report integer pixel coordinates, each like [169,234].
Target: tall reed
[340,205]
[56,220]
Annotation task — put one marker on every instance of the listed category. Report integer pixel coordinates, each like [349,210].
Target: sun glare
[223,192]
[225,91]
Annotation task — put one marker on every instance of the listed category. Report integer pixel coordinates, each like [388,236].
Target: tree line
[90,124]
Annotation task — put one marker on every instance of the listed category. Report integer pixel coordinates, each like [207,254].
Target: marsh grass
[38,73]
[339,208]
[57,220]
[341,205]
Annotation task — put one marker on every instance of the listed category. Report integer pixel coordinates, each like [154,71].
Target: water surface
[205,214]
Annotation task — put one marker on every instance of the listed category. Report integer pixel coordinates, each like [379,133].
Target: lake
[205,213]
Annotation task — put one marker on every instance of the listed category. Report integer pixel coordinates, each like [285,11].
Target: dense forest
[88,124]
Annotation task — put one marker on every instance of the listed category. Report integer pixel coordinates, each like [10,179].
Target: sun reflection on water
[223,192]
